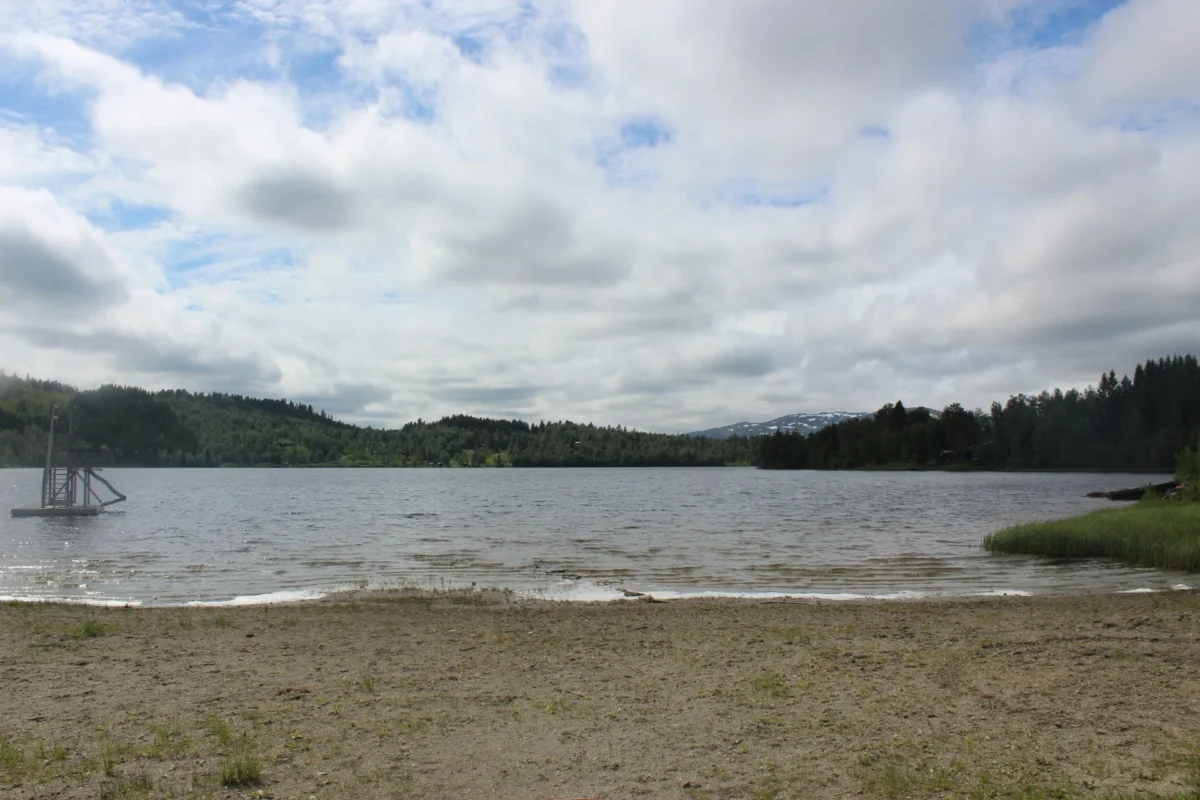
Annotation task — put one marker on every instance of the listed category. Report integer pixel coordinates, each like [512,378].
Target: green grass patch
[772,684]
[219,728]
[896,781]
[241,769]
[557,706]
[12,757]
[89,628]
[125,788]
[1154,533]
[169,742]
[110,759]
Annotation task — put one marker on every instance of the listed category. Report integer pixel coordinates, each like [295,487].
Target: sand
[478,695]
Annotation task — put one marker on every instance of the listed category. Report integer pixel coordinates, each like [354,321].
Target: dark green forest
[133,427]
[1136,423]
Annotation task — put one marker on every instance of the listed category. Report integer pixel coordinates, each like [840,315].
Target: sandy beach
[479,695]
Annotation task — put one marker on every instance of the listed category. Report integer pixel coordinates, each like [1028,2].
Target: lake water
[255,535]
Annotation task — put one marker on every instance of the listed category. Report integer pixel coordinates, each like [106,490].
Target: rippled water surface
[217,535]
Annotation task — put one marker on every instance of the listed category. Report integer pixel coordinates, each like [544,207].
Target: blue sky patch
[394,298]
[645,133]
[565,42]
[181,261]
[608,154]
[122,216]
[315,70]
[417,104]
[515,26]
[279,257]
[1159,120]
[23,97]
[763,193]
[565,48]
[213,53]
[1038,25]
[567,76]
[233,262]
[471,45]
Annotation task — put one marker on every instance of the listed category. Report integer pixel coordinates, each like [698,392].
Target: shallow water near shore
[249,536]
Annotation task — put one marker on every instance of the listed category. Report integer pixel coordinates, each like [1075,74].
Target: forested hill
[130,426]
[1127,423]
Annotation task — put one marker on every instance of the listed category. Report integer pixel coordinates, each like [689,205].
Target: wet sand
[479,695]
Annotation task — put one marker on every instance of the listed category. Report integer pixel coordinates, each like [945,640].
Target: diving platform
[34,510]
[68,489]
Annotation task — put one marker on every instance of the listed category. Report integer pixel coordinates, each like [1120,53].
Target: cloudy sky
[667,214]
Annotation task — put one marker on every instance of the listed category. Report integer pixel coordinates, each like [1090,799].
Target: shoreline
[884,468]
[475,694]
[617,595]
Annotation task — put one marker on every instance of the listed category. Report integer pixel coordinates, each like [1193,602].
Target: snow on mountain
[801,423]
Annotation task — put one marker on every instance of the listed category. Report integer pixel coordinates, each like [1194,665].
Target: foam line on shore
[574,592]
[74,601]
[270,598]
[585,593]
[1178,587]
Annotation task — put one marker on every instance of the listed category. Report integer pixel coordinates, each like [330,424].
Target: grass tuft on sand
[1153,533]
[220,728]
[89,629]
[241,767]
[240,770]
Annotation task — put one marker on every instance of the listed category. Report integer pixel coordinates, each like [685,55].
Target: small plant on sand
[219,728]
[556,706]
[220,621]
[772,684]
[240,769]
[368,683]
[168,741]
[893,781]
[109,759]
[134,786]
[12,758]
[88,629]
[794,636]
[1191,763]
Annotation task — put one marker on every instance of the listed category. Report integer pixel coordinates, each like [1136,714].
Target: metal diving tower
[68,489]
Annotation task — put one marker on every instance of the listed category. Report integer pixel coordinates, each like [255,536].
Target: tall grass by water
[1153,533]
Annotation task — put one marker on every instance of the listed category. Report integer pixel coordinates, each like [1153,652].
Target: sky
[665,214]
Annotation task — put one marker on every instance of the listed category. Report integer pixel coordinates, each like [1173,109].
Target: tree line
[129,426]
[1138,422]
[1128,423]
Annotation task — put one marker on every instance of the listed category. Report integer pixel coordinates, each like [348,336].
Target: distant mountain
[800,423]
[804,423]
[127,426]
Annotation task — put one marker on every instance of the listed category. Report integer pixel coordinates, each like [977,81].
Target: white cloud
[767,88]
[463,228]
[104,23]
[1144,57]
[29,156]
